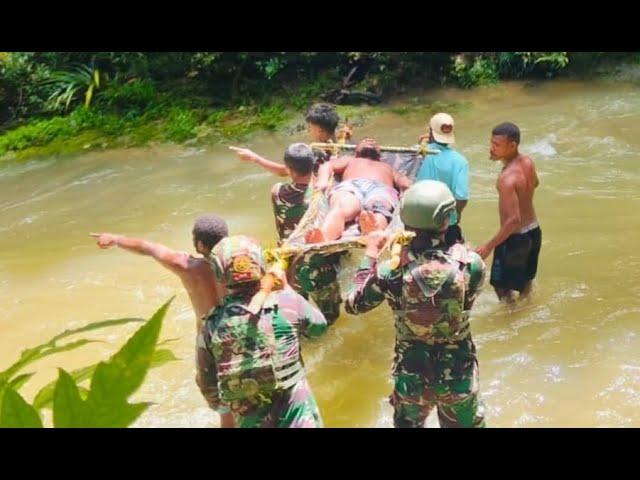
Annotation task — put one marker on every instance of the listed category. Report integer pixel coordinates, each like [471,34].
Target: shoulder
[459,158]
[181,261]
[509,178]
[526,159]
[435,146]
[276,189]
[197,264]
[527,162]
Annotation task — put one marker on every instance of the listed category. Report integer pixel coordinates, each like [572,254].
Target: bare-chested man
[195,273]
[517,243]
[366,190]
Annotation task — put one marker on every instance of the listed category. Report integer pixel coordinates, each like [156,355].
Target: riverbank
[143,113]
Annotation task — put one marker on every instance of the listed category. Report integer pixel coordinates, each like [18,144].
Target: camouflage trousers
[442,376]
[292,408]
[318,278]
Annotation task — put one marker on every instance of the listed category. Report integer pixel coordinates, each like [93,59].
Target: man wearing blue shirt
[449,167]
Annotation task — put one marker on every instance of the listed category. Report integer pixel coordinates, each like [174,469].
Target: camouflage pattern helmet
[237,260]
[426,205]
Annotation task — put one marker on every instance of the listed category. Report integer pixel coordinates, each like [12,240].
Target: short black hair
[210,229]
[368,148]
[300,158]
[509,130]
[324,115]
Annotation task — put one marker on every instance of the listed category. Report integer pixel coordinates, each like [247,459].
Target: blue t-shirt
[450,168]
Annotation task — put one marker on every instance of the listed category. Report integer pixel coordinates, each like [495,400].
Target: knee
[406,414]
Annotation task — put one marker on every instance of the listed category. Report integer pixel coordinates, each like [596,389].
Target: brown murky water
[571,357]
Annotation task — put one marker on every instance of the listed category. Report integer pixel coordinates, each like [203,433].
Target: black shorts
[515,261]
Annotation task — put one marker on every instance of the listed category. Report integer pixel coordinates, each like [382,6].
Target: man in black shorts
[517,243]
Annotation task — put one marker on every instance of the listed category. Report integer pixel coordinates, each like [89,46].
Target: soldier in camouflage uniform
[317,275]
[250,364]
[431,292]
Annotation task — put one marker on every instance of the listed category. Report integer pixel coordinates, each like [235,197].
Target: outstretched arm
[175,261]
[247,155]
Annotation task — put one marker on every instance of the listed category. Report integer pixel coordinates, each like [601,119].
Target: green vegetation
[60,102]
[105,402]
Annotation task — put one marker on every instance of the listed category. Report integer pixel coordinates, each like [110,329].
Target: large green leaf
[124,372]
[72,411]
[44,398]
[112,382]
[16,413]
[115,380]
[31,355]
[119,414]
[69,409]
[84,392]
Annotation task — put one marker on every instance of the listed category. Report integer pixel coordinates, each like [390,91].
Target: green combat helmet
[237,260]
[426,205]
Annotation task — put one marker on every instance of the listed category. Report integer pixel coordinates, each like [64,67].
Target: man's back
[450,168]
[257,356]
[275,330]
[366,169]
[430,293]
[438,288]
[200,283]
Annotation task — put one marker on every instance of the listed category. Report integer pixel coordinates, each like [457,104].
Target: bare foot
[314,236]
[370,222]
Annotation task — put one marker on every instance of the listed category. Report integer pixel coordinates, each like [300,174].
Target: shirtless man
[195,273]
[517,243]
[367,190]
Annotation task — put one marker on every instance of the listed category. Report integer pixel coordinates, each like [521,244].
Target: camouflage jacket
[243,358]
[430,293]
[290,202]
